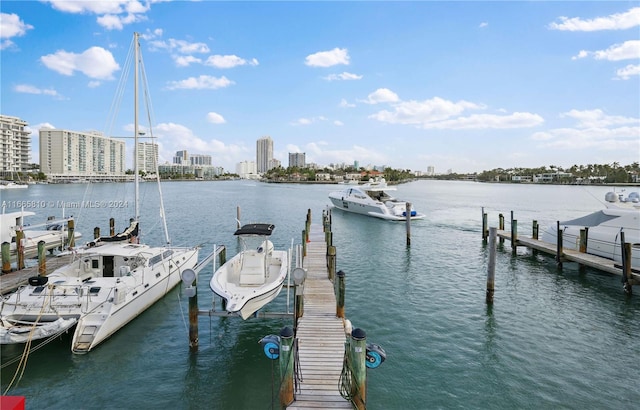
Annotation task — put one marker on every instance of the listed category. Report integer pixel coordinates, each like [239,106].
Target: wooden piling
[286,366]
[583,241]
[408,224]
[514,235]
[331,262]
[193,318]
[358,356]
[626,268]
[222,255]
[112,226]
[42,262]
[304,242]
[71,239]
[558,246]
[96,232]
[535,230]
[340,294]
[491,268]
[501,225]
[298,296]
[484,225]
[6,257]
[20,248]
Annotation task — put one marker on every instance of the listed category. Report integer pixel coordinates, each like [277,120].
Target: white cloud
[178,46]
[95,62]
[30,89]
[202,82]
[597,119]
[94,84]
[338,123]
[11,26]
[423,112]
[112,14]
[328,58]
[343,76]
[228,61]
[185,61]
[628,71]
[593,130]
[625,51]
[483,24]
[215,118]
[345,104]
[619,21]
[381,95]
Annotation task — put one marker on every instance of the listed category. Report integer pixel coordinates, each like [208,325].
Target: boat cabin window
[94,290]
[155,259]
[38,289]
[94,263]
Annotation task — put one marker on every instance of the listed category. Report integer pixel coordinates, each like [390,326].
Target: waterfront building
[297,159]
[247,170]
[76,155]
[200,159]
[182,157]
[264,154]
[15,146]
[147,157]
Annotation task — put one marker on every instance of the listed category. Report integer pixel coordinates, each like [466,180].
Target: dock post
[514,235]
[558,246]
[20,248]
[193,318]
[358,355]
[6,257]
[484,225]
[304,242]
[112,226]
[298,297]
[331,262]
[583,241]
[535,229]
[408,224]
[286,366]
[340,294]
[501,226]
[42,263]
[626,250]
[222,259]
[71,239]
[96,232]
[491,268]
[307,225]
[328,238]
[238,224]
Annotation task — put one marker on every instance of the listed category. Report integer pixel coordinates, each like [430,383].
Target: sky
[458,86]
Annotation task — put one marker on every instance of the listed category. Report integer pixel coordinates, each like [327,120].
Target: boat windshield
[593,219]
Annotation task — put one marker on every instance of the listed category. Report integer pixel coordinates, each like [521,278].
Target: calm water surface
[551,339]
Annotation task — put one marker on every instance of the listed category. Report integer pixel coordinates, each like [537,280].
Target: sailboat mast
[135,126]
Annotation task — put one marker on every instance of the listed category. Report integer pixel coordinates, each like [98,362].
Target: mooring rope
[346,385]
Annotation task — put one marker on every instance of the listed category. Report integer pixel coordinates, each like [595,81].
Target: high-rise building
[200,159]
[264,153]
[182,158]
[246,169]
[147,157]
[297,159]
[65,153]
[15,145]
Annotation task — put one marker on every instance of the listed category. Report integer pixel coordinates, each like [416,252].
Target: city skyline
[466,86]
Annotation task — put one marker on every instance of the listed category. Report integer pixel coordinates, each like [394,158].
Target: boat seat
[252,271]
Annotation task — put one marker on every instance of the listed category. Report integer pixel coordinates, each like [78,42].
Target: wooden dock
[10,282]
[585,259]
[320,334]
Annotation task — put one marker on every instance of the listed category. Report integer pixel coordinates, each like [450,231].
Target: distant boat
[109,283]
[604,229]
[54,233]
[373,199]
[13,185]
[349,182]
[253,277]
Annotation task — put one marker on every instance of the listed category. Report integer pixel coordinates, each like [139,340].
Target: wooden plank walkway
[596,262]
[9,282]
[320,334]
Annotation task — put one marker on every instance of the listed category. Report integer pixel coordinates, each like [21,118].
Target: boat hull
[369,207]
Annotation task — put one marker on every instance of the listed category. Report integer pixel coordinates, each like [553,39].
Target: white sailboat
[111,281]
[253,277]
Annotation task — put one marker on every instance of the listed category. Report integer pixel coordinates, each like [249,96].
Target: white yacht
[621,215]
[109,283]
[253,277]
[373,199]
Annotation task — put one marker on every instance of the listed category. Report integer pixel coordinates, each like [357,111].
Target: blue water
[551,339]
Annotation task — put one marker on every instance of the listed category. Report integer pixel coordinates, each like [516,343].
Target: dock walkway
[320,334]
[593,261]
